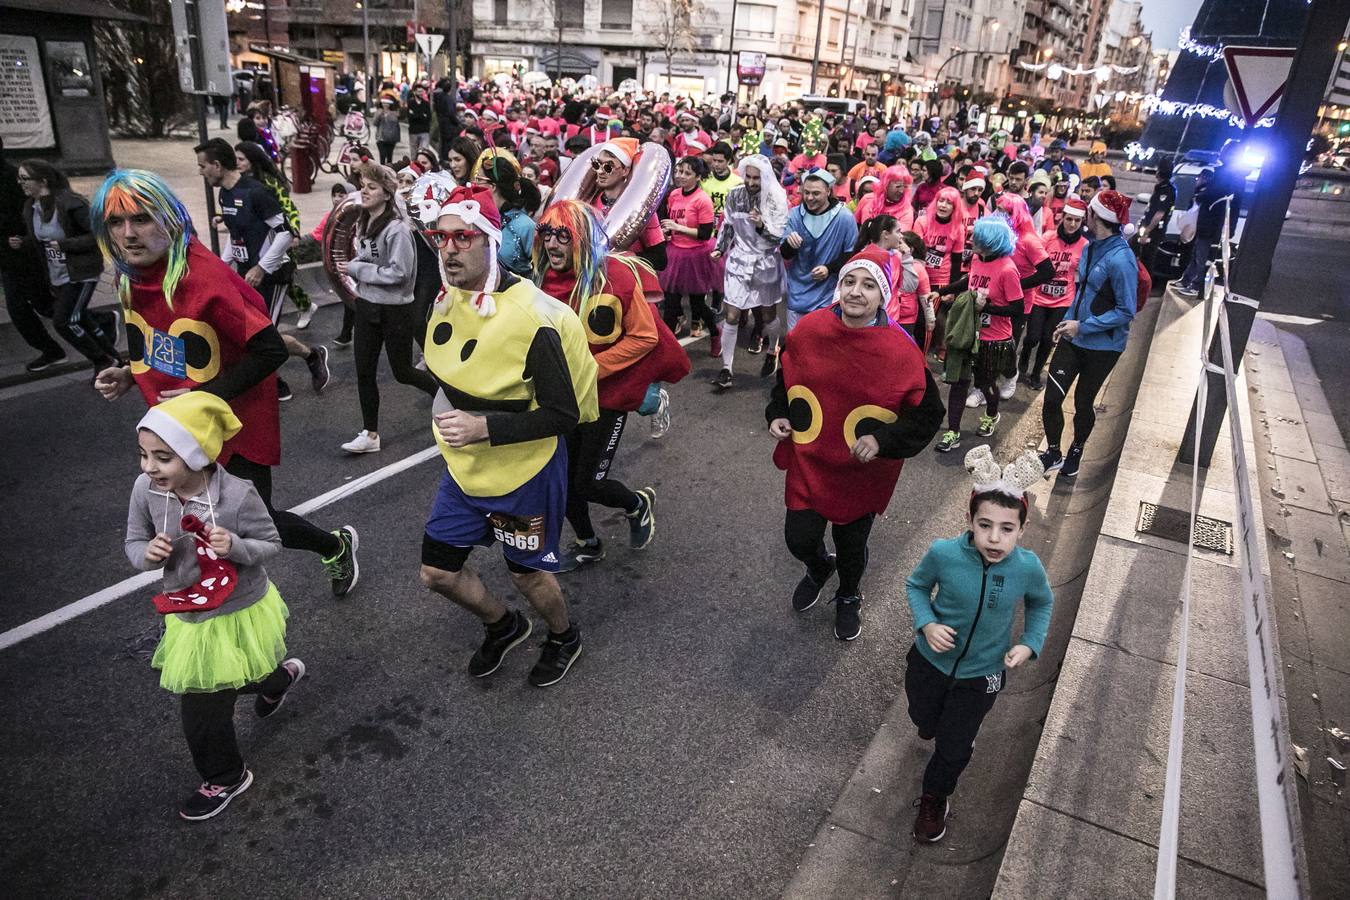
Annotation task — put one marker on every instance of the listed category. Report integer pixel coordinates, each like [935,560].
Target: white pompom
[1128,229]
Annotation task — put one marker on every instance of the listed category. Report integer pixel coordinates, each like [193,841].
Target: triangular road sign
[430,43]
[1258,75]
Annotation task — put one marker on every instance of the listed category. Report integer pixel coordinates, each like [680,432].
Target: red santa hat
[875,262]
[473,203]
[1074,206]
[1114,207]
[625,150]
[973,183]
[603,113]
[686,114]
[532,126]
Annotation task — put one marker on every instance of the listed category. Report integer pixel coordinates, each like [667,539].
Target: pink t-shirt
[907,308]
[1029,254]
[690,210]
[1059,291]
[999,280]
[942,240]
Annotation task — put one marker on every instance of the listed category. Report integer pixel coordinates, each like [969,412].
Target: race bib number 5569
[521,532]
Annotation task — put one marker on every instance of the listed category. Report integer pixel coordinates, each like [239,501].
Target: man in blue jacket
[1093,333]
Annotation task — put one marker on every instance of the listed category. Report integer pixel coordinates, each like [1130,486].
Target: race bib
[167,355]
[933,259]
[55,254]
[523,533]
[1055,288]
[239,253]
[985,320]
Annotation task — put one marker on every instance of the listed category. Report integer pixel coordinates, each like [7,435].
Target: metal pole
[202,138]
[452,53]
[1308,75]
[731,42]
[365,48]
[557,58]
[815,58]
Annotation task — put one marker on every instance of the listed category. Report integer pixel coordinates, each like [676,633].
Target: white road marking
[1285,319]
[144,579]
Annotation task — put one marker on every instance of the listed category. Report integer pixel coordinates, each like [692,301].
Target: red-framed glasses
[462,239]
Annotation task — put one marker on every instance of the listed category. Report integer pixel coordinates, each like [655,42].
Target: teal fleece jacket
[978,600]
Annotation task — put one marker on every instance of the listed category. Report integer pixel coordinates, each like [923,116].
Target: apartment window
[871,9]
[616,15]
[897,46]
[904,9]
[756,19]
[572,12]
[500,12]
[832,33]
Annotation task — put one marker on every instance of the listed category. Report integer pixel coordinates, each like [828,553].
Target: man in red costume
[853,400]
[194,324]
[632,348]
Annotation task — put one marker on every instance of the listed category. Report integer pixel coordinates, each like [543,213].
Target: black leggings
[951,710]
[804,530]
[1019,324]
[1090,368]
[392,327]
[1040,337]
[296,533]
[208,725]
[672,307]
[590,454]
[75,322]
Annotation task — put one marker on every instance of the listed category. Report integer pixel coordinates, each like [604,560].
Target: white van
[836,105]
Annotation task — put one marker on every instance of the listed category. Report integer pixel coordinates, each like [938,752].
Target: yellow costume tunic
[526,366]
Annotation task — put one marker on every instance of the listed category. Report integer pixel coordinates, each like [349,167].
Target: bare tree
[675,30]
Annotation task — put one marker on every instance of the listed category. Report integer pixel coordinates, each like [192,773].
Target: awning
[85,9]
[572,60]
[282,55]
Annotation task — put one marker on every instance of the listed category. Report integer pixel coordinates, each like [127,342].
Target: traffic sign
[430,43]
[1257,75]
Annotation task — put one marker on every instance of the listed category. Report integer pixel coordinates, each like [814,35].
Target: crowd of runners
[533,271]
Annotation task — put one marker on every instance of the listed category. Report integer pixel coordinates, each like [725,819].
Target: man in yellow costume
[516,375]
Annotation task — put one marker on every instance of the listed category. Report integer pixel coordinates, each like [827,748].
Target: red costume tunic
[632,346]
[214,315]
[843,383]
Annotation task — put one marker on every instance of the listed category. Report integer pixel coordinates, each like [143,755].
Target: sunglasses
[559,234]
[462,239]
[605,167]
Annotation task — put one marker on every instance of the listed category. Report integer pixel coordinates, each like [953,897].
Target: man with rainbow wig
[633,349]
[194,324]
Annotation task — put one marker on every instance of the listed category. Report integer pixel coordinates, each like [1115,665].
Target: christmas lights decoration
[1209,51]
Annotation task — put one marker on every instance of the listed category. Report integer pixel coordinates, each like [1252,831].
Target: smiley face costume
[204,334]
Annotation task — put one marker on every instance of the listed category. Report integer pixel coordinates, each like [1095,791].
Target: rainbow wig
[129,192]
[590,246]
[993,236]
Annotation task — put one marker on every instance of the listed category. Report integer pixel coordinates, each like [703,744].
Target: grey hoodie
[237,508]
[384,269]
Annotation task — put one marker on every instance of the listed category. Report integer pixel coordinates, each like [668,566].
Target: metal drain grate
[1175,524]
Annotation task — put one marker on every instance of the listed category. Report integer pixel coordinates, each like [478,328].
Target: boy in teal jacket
[963,635]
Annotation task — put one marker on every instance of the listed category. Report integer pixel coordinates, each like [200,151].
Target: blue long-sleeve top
[517,241]
[1108,281]
[979,601]
[831,249]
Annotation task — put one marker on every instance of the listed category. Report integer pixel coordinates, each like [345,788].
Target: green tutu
[223,652]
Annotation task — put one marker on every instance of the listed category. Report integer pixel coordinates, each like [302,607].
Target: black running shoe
[555,659]
[581,553]
[770,365]
[1072,459]
[1051,460]
[319,376]
[344,570]
[723,380]
[642,523]
[264,706]
[45,361]
[283,390]
[211,799]
[809,590]
[847,618]
[487,658]
[342,341]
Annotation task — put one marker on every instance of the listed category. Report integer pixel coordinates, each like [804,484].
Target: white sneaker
[306,316]
[363,443]
[1007,387]
[976,398]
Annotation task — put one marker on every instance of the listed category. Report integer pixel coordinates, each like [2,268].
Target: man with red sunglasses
[515,376]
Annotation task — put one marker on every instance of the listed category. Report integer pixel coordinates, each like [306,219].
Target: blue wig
[993,236]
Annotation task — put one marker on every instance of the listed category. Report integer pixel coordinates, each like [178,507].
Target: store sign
[750,67]
[25,118]
[334,56]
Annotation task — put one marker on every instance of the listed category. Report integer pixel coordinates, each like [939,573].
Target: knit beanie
[195,425]
[875,262]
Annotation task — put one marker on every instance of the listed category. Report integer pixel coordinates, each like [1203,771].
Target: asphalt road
[692,752]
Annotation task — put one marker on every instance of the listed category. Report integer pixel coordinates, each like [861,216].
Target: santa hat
[195,425]
[686,114]
[875,262]
[973,184]
[625,150]
[693,146]
[1114,207]
[489,115]
[532,126]
[603,113]
[1074,206]
[474,204]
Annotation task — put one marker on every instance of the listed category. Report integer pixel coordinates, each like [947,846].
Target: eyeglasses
[605,167]
[559,234]
[462,239]
[26,178]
